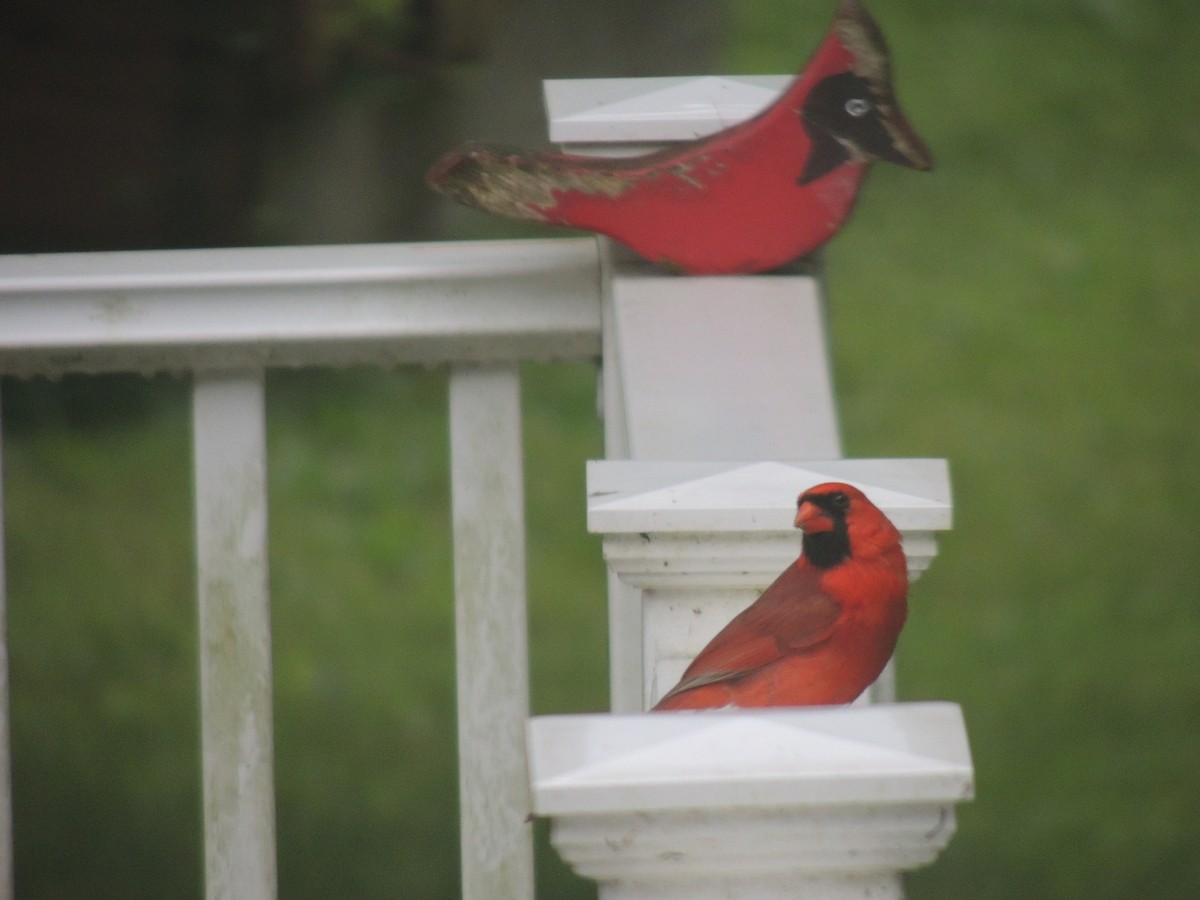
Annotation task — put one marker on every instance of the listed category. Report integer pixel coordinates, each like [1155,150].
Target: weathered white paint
[6,838]
[490,631]
[290,306]
[217,311]
[724,368]
[693,368]
[763,804]
[624,601]
[235,636]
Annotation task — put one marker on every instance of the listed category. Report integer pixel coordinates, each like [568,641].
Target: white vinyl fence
[224,316]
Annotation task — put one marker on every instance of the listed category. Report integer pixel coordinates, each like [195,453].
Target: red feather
[819,634]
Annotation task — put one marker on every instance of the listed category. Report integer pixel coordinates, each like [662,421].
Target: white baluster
[235,636]
[6,823]
[490,631]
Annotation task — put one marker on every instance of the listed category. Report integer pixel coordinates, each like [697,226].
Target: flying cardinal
[823,631]
[747,199]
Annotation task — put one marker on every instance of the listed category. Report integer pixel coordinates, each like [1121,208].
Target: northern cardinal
[823,631]
[747,199]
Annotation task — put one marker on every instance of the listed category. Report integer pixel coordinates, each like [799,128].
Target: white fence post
[6,843]
[235,636]
[701,368]
[490,631]
[822,803]
[707,380]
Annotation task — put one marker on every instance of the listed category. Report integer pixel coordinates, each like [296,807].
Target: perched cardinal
[823,631]
[750,198]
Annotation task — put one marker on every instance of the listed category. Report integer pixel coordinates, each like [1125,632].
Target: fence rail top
[379,304]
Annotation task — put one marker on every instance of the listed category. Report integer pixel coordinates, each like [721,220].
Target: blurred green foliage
[1030,310]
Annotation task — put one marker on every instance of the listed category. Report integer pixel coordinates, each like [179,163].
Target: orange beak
[811,518]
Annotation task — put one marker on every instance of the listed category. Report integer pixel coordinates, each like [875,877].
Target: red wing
[792,616]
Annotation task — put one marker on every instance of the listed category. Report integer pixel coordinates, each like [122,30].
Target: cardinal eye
[858,107]
[839,500]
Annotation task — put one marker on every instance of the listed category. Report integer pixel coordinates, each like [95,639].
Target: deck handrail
[388,304]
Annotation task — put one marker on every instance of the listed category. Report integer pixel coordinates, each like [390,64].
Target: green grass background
[1030,310]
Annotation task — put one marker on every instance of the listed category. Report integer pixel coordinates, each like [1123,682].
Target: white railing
[226,315]
[694,369]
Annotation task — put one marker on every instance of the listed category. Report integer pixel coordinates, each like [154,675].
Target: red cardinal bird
[823,631]
[750,198]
